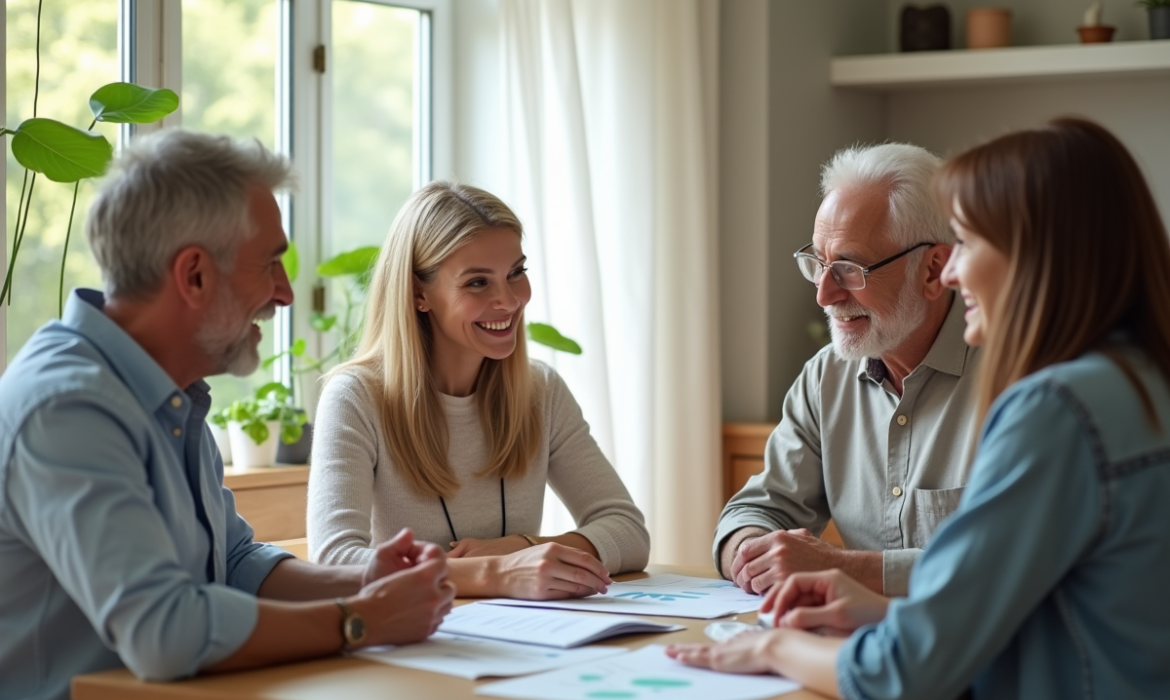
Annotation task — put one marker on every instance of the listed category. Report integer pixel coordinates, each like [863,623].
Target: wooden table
[359,679]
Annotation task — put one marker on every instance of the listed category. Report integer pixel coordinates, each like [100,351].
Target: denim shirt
[1052,580]
[118,542]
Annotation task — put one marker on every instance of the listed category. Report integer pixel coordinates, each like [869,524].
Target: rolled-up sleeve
[86,505]
[248,562]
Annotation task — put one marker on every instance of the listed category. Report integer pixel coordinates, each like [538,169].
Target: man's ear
[195,276]
[936,261]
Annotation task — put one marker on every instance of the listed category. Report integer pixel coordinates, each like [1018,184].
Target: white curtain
[608,141]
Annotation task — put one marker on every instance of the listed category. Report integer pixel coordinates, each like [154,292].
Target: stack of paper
[666,594]
[547,627]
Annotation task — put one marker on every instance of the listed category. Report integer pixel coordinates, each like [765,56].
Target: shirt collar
[948,353]
[145,378]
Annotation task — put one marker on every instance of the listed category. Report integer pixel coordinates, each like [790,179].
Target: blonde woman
[443,425]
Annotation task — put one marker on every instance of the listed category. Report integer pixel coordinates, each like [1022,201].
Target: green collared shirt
[886,468]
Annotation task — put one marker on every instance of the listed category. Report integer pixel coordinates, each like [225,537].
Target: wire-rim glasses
[848,275]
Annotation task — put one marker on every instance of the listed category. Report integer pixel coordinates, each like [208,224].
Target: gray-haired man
[876,429]
[118,542]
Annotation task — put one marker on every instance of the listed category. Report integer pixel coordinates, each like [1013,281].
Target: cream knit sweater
[357,497]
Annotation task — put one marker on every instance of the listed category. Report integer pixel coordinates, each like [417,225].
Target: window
[233,92]
[360,134]
[78,55]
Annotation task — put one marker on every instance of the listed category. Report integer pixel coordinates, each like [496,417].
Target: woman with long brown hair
[1050,581]
[440,423]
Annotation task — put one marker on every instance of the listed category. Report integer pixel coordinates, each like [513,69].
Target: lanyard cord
[503,515]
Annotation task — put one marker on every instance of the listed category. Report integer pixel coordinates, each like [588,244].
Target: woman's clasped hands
[548,571]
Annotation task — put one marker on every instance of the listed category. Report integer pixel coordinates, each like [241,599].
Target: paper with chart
[475,657]
[645,674]
[556,628]
[665,595]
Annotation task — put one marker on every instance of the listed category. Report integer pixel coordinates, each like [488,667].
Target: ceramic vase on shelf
[1160,22]
[989,27]
[246,454]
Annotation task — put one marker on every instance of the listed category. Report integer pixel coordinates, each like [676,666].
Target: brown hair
[1088,252]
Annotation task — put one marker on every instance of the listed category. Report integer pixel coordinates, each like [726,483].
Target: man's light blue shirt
[118,542]
[1052,579]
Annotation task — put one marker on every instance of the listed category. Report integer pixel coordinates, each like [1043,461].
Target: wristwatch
[353,627]
[531,540]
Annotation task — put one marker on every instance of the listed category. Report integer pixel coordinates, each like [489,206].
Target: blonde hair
[396,344]
[1087,250]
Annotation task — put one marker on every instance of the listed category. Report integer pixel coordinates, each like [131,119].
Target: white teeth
[496,325]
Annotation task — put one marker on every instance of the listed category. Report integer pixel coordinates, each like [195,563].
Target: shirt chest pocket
[931,508]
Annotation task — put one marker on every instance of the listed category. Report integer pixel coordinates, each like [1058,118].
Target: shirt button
[897,491]
[176,401]
[902,420]
[177,432]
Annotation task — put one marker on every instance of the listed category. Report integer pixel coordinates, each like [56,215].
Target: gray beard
[230,347]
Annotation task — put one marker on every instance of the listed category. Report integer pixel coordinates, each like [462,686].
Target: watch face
[357,630]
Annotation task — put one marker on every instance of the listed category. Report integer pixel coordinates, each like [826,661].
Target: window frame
[150,51]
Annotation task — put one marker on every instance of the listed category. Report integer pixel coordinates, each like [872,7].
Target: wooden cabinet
[271,499]
[743,457]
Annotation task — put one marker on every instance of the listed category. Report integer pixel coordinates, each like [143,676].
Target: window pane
[78,55]
[230,51]
[373,130]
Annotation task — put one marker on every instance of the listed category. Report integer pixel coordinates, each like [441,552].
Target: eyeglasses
[848,275]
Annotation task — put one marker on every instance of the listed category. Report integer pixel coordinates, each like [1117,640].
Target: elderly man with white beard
[876,430]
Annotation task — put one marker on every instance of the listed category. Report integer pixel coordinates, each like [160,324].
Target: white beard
[884,333]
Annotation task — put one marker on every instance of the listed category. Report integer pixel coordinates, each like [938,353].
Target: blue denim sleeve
[248,562]
[1030,509]
[85,505]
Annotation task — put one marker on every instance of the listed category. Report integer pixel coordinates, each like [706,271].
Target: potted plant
[1159,13]
[256,425]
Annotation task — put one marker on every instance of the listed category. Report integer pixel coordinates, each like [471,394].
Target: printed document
[645,674]
[664,595]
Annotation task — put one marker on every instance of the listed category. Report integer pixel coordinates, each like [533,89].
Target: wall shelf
[927,69]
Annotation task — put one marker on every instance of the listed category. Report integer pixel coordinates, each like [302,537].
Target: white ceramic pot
[222,441]
[246,453]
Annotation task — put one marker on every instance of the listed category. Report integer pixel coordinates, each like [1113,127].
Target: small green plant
[272,402]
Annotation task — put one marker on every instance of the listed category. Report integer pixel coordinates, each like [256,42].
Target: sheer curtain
[608,114]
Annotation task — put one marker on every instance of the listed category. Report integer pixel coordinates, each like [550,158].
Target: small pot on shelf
[1099,34]
[246,453]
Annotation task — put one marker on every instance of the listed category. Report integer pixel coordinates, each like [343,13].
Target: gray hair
[907,171]
[172,189]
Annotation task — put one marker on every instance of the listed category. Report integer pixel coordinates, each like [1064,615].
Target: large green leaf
[353,262]
[292,262]
[127,103]
[60,152]
[547,335]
